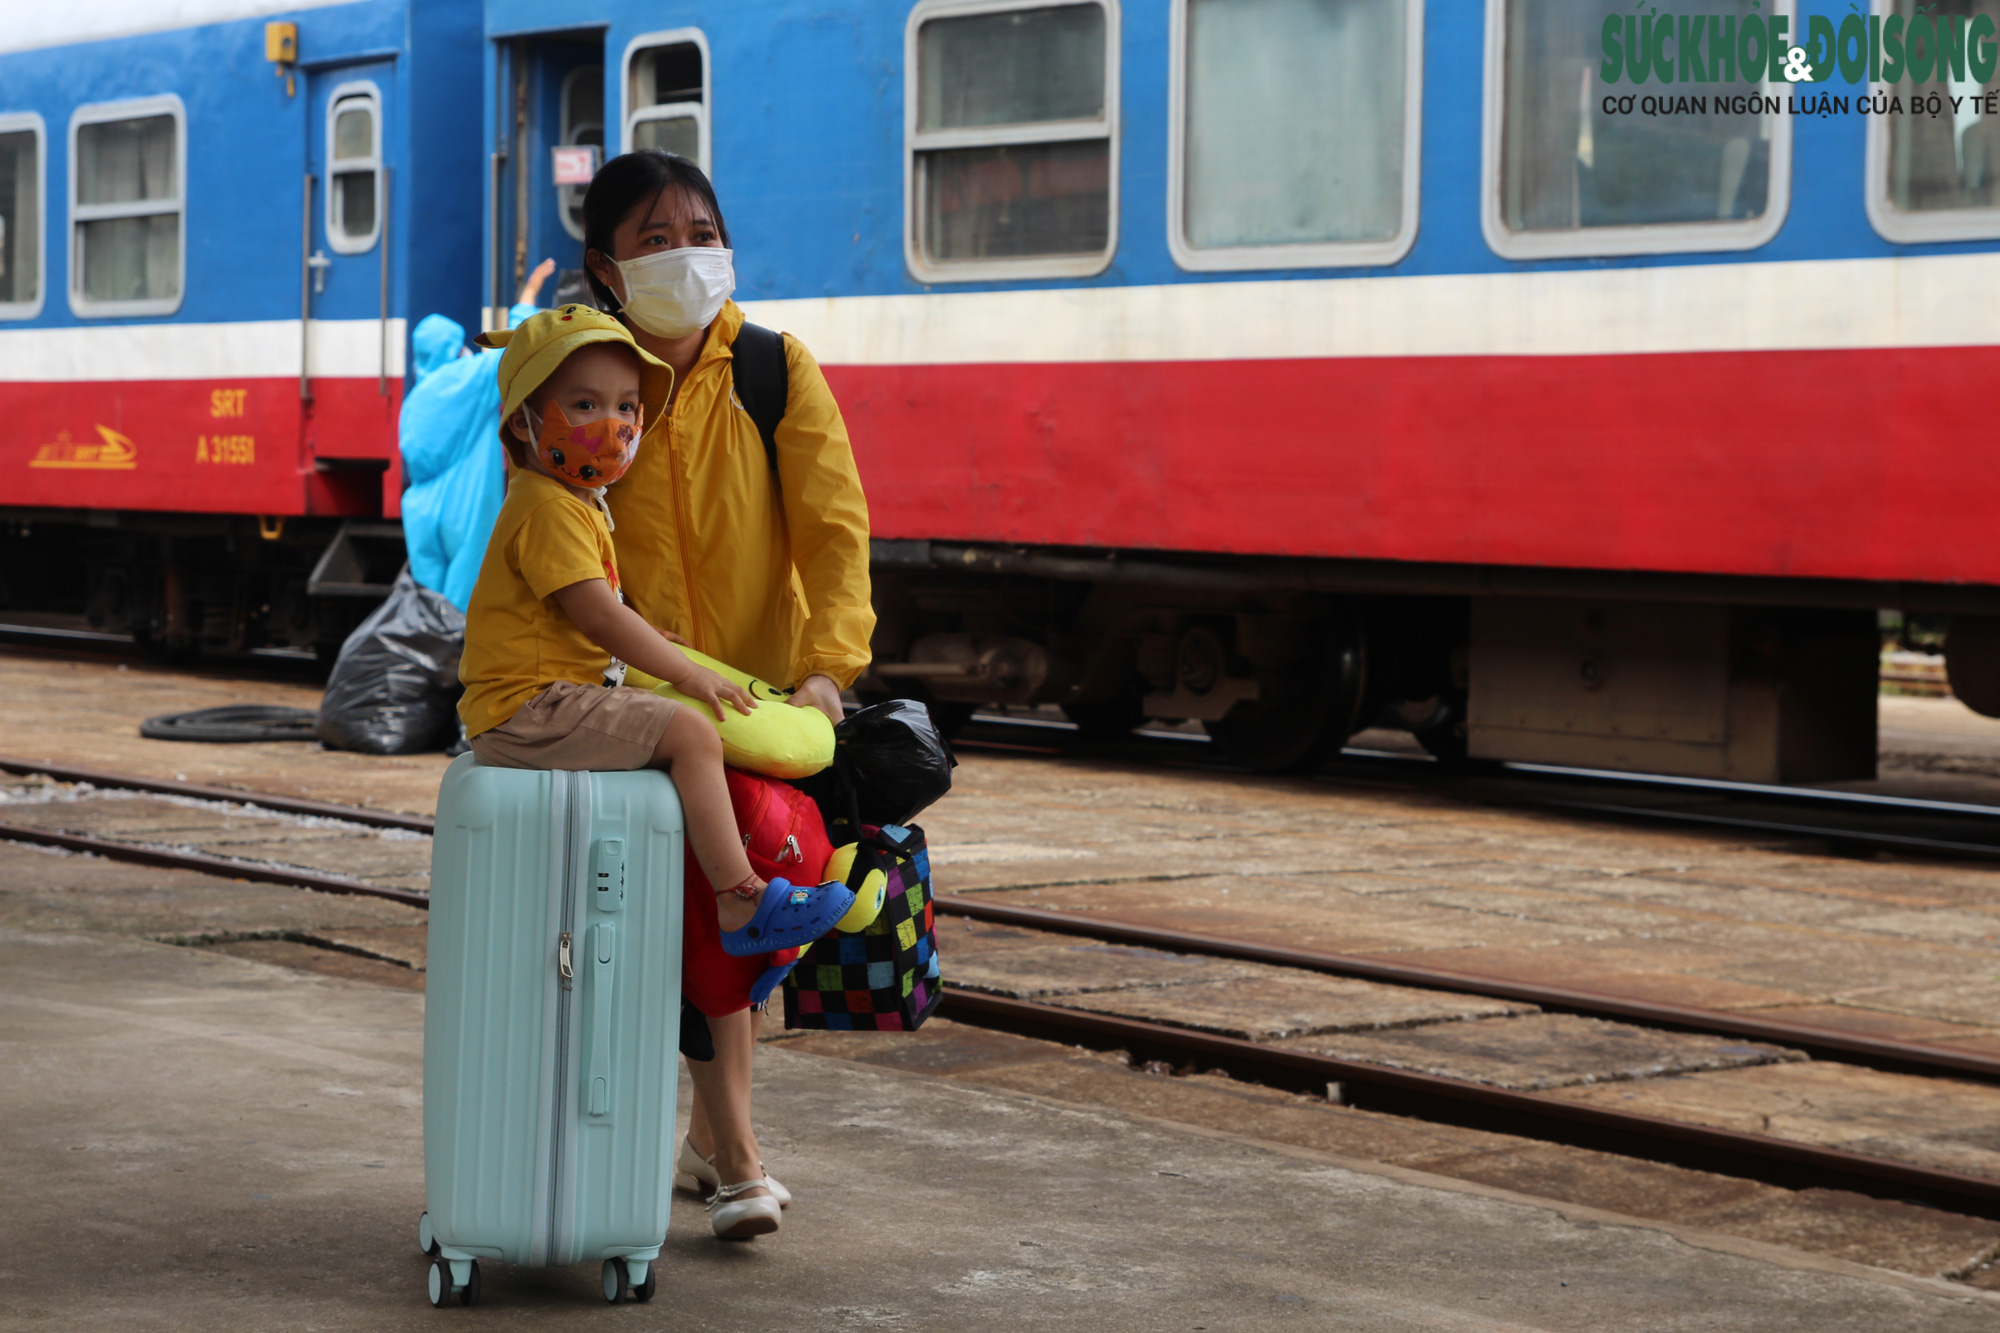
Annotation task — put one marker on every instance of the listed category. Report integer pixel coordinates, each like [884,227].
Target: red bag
[785,838]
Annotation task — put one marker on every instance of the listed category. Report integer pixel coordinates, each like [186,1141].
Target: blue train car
[1278,362]
[217,219]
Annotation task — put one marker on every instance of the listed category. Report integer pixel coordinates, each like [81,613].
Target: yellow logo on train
[116,453]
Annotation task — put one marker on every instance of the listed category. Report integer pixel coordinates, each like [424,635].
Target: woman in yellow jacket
[766,571]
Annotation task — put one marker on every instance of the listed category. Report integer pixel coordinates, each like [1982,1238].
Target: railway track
[1362,1084]
[1849,821]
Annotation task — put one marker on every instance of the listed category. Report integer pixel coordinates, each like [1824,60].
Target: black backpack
[763,382]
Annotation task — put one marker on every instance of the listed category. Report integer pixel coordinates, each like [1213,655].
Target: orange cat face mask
[594,454]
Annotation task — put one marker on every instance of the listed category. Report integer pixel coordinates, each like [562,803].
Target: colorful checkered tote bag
[884,978]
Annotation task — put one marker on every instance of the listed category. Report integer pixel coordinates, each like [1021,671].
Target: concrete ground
[196,1141]
[63,709]
[1899,948]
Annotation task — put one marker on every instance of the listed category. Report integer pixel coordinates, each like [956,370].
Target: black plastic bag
[394,688]
[890,763]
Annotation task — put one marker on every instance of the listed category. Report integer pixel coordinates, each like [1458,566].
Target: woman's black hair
[626,182]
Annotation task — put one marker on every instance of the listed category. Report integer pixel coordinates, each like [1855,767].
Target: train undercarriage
[1281,661]
[184,585]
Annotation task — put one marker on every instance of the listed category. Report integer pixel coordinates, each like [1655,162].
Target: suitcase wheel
[441,1289]
[427,1241]
[616,1281]
[644,1291]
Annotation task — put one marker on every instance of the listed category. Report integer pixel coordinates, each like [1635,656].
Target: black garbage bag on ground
[890,763]
[394,688]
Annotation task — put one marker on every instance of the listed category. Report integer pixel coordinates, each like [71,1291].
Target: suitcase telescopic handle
[603,940]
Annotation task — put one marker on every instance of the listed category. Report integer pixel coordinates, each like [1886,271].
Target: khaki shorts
[591,728]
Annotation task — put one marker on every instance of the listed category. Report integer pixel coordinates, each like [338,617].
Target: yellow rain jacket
[707,548]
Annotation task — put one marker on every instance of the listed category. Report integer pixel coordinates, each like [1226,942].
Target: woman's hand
[819,692]
[712,688]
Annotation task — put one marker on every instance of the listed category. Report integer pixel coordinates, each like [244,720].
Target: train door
[552,96]
[350,368]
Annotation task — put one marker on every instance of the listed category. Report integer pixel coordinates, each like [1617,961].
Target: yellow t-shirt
[518,642]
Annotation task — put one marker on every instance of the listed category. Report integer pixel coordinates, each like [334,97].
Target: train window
[1937,178]
[353,168]
[1012,146]
[582,123]
[666,94]
[1565,176]
[1294,132]
[126,202]
[21,168]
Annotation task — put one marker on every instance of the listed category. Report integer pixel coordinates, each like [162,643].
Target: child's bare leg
[721,1121]
[692,752]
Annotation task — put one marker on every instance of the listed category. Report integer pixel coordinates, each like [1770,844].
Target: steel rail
[1421,771]
[1729,787]
[1817,1041]
[1894,841]
[1820,1042]
[1415,763]
[1539,1115]
[291,805]
[1626,1132]
[221,866]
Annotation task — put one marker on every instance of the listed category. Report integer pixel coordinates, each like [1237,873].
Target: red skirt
[783,836]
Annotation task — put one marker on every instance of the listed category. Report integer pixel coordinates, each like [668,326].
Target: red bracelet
[744,890]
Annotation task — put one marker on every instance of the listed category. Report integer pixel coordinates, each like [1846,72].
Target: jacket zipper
[679,459]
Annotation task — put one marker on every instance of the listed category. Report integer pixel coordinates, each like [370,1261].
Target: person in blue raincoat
[455,472]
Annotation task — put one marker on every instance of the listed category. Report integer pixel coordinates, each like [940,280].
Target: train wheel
[1447,740]
[1306,709]
[1436,724]
[1287,742]
[1111,720]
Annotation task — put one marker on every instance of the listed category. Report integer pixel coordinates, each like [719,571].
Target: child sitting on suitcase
[547,628]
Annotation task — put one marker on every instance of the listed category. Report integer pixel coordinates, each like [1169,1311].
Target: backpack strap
[763,381]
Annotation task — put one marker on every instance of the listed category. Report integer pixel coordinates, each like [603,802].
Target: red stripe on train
[1840,464]
[235,446]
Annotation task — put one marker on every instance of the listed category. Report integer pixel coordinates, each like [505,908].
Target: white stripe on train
[1928,301]
[249,349]
[29,27]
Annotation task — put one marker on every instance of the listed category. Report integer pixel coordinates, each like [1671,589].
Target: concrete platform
[192,1140]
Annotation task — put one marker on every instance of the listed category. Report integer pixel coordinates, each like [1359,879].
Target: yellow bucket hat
[545,340]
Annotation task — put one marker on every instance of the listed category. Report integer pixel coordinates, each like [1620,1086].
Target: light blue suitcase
[551,1024]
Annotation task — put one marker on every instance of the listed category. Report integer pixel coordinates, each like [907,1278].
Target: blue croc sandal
[789,917]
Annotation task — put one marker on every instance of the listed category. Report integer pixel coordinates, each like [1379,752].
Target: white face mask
[672,293]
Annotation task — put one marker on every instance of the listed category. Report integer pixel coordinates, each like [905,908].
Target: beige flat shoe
[733,1218]
[695,1174]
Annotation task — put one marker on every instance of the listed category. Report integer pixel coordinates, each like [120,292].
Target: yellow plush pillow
[868,895]
[774,738]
